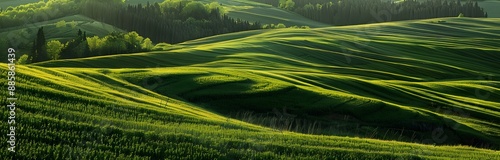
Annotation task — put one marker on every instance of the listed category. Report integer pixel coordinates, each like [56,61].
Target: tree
[95,43]
[486,15]
[86,50]
[134,40]
[24,59]
[80,33]
[114,43]
[72,48]
[196,10]
[54,49]
[60,24]
[287,4]
[216,7]
[147,44]
[266,26]
[282,3]
[39,51]
[72,24]
[461,15]
[280,25]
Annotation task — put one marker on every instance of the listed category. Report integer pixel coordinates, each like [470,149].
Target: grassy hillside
[93,114]
[265,14]
[434,82]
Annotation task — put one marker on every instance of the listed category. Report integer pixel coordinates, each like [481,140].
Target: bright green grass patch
[378,73]
[380,77]
[85,127]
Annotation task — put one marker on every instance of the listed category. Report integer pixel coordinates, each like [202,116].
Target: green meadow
[420,89]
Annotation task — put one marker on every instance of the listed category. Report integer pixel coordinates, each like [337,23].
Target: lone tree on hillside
[39,50]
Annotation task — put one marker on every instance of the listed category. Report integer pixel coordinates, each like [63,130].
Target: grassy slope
[389,81]
[265,14]
[91,114]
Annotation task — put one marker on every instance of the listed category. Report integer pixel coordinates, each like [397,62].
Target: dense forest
[338,12]
[171,21]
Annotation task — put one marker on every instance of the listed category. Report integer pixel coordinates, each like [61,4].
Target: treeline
[171,21]
[338,12]
[82,46]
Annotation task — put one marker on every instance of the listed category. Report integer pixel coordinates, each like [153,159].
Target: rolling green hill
[265,14]
[255,12]
[436,80]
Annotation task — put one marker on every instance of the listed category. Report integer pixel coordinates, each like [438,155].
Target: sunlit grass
[388,78]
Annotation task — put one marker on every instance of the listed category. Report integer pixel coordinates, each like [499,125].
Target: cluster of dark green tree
[281,25]
[83,46]
[338,12]
[171,21]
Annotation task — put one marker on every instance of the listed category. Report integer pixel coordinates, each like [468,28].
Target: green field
[436,80]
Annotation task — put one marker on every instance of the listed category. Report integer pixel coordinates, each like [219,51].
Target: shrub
[23,59]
